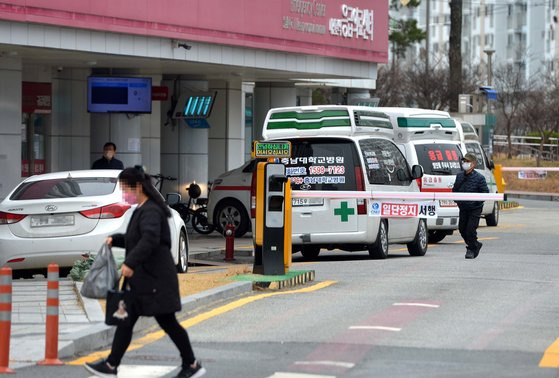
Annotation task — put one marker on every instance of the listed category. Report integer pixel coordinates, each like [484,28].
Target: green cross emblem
[344,211]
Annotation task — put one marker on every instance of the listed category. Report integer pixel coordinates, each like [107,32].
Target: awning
[489,92]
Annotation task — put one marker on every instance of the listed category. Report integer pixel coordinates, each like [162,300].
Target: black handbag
[118,310]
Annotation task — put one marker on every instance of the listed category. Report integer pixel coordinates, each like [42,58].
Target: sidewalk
[81,320]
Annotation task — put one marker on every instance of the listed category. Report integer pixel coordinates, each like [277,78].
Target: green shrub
[81,267]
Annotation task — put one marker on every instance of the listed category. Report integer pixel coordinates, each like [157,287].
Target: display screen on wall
[118,94]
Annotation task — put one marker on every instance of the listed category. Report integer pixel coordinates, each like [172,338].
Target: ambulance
[432,139]
[347,148]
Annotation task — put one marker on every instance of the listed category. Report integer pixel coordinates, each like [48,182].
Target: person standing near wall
[108,161]
[470,181]
[150,274]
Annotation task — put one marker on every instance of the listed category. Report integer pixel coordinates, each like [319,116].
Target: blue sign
[197,123]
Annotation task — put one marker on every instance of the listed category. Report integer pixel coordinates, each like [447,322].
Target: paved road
[433,316]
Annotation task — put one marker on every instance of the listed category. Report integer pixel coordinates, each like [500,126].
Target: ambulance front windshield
[439,158]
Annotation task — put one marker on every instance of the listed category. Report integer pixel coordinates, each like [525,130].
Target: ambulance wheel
[231,210]
[418,247]
[379,249]
[436,236]
[310,252]
[493,219]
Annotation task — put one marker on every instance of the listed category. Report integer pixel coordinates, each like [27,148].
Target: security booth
[272,236]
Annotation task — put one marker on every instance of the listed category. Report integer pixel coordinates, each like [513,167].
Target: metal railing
[527,147]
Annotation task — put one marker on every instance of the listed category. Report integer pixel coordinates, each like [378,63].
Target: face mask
[129,198]
[109,155]
[466,166]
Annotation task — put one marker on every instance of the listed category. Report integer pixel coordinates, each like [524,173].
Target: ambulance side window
[382,162]
[478,151]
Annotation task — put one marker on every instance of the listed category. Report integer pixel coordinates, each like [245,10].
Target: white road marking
[143,371]
[417,305]
[347,365]
[381,328]
[299,375]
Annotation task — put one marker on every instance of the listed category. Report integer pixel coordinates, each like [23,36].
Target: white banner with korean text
[399,209]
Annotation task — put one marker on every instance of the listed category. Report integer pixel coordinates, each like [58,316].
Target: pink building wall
[302,26]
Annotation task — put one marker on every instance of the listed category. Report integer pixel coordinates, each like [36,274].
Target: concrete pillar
[270,95]
[226,141]
[184,150]
[248,109]
[10,124]
[123,130]
[151,134]
[67,141]
[304,96]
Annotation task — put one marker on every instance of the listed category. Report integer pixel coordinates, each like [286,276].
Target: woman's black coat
[154,284]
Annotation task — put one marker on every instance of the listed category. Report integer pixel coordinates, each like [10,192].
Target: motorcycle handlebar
[160,176]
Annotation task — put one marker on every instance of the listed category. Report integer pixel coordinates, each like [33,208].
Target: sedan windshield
[65,188]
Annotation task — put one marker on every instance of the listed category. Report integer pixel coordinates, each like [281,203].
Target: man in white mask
[470,181]
[108,161]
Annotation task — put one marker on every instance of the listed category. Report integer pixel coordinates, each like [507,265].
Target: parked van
[485,166]
[345,148]
[431,138]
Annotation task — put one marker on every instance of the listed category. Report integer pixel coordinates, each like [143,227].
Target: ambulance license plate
[307,201]
[447,203]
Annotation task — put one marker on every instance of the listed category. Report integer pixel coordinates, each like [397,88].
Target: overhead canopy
[490,92]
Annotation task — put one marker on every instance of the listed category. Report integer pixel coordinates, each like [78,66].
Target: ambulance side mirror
[416,172]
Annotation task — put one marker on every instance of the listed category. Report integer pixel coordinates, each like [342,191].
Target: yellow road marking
[550,358]
[154,336]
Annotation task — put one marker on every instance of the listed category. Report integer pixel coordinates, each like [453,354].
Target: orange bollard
[5,319]
[51,336]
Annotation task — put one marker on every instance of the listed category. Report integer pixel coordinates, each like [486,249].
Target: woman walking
[150,274]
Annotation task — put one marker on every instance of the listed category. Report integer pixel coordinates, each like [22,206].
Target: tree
[403,32]
[403,36]
[455,54]
[511,92]
[390,86]
[410,85]
[427,89]
[541,111]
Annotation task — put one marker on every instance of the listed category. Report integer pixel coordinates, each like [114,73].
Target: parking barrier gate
[5,319]
[51,335]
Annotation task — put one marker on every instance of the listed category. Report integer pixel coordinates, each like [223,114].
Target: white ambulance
[346,148]
[431,139]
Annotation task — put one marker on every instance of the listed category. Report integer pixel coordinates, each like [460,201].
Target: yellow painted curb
[550,358]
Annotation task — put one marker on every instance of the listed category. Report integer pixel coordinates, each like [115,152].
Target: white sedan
[65,216]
